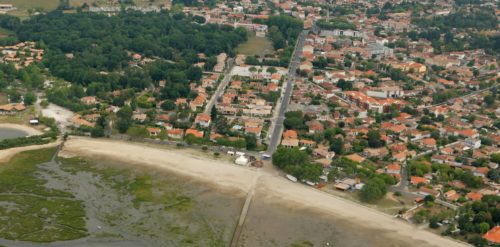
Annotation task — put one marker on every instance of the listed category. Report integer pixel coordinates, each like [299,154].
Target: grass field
[78,3]
[25,6]
[45,5]
[255,46]
[29,211]
[5,33]
[3,97]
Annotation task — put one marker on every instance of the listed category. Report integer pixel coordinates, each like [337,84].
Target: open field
[24,5]
[78,3]
[256,46]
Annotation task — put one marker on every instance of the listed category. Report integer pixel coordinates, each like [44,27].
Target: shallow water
[9,133]
[270,222]
[113,220]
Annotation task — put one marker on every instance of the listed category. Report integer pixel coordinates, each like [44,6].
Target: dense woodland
[440,30]
[102,48]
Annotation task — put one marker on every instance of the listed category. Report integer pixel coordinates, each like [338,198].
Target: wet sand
[282,212]
[112,218]
[274,222]
[27,130]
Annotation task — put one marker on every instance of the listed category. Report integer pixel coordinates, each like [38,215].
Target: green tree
[337,145]
[124,119]
[373,190]
[251,141]
[29,98]
[433,222]
[374,139]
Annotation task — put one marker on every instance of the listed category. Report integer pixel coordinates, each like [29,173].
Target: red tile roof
[194,132]
[493,235]
[416,180]
[474,196]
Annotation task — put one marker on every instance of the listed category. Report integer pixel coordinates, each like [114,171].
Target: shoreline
[275,189]
[30,131]
[219,173]
[6,154]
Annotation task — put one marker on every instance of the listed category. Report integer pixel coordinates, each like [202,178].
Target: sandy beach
[273,189]
[30,131]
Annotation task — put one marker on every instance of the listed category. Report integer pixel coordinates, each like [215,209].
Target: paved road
[277,125]
[405,177]
[463,96]
[222,86]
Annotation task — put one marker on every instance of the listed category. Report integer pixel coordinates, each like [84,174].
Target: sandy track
[29,130]
[6,154]
[276,189]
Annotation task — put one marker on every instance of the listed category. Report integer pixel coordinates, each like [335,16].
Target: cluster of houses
[21,55]
[355,92]
[12,108]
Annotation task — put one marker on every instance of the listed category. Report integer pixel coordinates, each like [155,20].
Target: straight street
[277,125]
[222,85]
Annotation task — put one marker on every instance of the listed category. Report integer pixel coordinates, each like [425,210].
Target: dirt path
[6,154]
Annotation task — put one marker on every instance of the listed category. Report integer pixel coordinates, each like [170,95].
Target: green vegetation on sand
[29,211]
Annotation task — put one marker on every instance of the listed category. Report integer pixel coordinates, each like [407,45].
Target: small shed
[241,160]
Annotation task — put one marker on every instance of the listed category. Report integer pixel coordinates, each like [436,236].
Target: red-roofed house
[175,133]
[203,120]
[154,131]
[417,180]
[194,132]
[290,134]
[429,143]
[474,196]
[493,235]
[393,169]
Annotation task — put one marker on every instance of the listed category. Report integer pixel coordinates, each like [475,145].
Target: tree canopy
[101,45]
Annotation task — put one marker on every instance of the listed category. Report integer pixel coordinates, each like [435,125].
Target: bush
[433,222]
[98,131]
[25,141]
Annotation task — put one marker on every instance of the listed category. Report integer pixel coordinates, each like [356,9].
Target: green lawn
[31,212]
[4,33]
[46,5]
[256,46]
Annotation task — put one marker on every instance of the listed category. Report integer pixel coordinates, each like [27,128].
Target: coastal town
[389,104]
